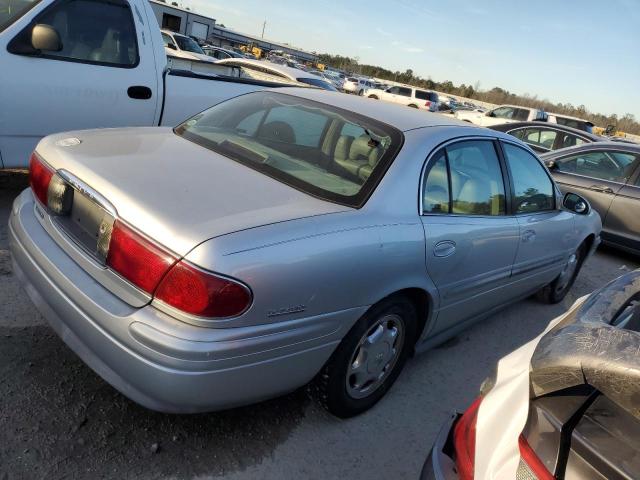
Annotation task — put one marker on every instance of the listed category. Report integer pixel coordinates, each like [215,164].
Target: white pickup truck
[79,64]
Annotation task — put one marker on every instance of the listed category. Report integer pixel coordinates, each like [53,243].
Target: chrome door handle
[444,248]
[601,188]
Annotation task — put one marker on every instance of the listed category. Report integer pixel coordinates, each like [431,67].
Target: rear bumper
[153,359]
[439,465]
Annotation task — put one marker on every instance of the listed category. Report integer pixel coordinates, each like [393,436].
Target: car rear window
[422,95]
[324,151]
[574,123]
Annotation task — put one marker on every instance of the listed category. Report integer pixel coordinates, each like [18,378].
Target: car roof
[505,127]
[398,116]
[289,72]
[562,115]
[605,144]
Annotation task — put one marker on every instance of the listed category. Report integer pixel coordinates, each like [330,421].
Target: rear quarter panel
[318,265]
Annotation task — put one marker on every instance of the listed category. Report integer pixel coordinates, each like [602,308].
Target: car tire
[413,106]
[555,291]
[366,354]
[360,93]
[373,96]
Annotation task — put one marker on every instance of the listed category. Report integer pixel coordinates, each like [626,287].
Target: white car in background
[333,79]
[513,113]
[501,114]
[181,46]
[357,86]
[409,96]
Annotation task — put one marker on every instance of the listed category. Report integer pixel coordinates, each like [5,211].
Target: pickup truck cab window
[93,31]
[533,189]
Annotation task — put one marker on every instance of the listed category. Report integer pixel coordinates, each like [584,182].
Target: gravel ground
[60,420]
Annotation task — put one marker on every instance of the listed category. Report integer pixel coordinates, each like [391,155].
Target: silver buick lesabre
[279,238]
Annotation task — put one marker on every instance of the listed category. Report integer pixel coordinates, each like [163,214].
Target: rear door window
[541,137]
[521,114]
[503,112]
[405,92]
[465,178]
[602,165]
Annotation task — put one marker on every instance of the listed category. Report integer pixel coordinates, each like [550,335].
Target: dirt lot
[60,420]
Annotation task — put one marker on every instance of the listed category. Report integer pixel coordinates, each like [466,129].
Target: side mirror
[171,46]
[576,204]
[45,38]
[489,114]
[551,165]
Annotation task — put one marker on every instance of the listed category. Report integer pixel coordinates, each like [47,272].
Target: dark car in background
[545,137]
[607,174]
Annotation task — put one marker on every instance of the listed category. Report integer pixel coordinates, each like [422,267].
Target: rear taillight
[176,283]
[535,465]
[137,259]
[464,441]
[427,104]
[39,177]
[49,187]
[203,293]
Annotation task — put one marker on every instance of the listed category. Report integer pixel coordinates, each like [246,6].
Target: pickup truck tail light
[40,175]
[203,293]
[464,441]
[176,283]
[535,465]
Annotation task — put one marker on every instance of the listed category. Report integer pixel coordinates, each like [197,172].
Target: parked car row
[512,113]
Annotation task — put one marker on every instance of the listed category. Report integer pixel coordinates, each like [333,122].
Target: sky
[583,52]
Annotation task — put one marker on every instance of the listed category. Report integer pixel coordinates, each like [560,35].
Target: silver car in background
[279,238]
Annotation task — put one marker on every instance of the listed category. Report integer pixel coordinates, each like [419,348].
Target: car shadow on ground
[60,420]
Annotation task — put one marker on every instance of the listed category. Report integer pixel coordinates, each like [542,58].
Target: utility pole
[264,24]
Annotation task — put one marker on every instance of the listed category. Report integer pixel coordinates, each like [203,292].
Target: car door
[470,241]
[622,223]
[104,75]
[546,238]
[595,174]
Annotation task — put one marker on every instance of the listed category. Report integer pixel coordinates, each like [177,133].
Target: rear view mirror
[576,204]
[45,38]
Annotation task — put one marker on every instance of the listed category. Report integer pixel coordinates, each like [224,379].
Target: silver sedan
[283,237]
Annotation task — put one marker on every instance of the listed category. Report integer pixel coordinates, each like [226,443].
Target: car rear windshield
[575,123]
[11,10]
[324,151]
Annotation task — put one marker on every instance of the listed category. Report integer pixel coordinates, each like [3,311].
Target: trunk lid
[176,192]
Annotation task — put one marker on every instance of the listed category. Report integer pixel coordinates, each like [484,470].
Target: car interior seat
[278,131]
